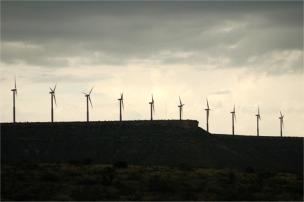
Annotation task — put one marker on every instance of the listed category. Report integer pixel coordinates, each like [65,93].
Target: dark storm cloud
[116,32]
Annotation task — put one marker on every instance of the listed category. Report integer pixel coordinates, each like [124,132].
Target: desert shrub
[87,180]
[232,177]
[87,161]
[49,176]
[120,164]
[111,193]
[157,184]
[185,167]
[73,162]
[249,169]
[134,176]
[88,193]
[266,174]
[188,196]
[107,176]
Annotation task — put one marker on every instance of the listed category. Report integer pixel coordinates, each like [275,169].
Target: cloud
[221,34]
[221,92]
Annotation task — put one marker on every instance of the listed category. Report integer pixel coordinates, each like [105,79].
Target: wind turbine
[14,90]
[207,114]
[258,118]
[180,109]
[152,108]
[281,123]
[88,99]
[233,119]
[120,104]
[53,97]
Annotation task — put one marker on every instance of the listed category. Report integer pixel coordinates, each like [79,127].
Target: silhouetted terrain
[83,182]
[146,143]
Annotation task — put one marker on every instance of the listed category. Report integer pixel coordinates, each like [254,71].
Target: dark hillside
[146,143]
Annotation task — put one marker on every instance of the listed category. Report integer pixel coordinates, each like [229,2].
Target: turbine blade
[55,87]
[152,99]
[234,109]
[51,89]
[207,104]
[153,108]
[54,99]
[83,92]
[122,105]
[180,101]
[91,90]
[15,84]
[281,113]
[90,101]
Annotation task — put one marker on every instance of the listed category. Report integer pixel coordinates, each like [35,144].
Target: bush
[249,169]
[157,184]
[120,164]
[87,161]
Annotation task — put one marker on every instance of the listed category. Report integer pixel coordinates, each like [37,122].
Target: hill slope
[146,143]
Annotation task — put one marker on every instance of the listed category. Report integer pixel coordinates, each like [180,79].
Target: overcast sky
[242,53]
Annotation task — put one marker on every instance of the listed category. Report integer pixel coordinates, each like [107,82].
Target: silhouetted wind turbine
[258,118]
[120,104]
[233,119]
[14,93]
[207,114]
[152,108]
[180,109]
[53,97]
[88,96]
[281,123]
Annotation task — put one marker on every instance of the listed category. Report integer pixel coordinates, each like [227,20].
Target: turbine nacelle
[121,100]
[282,118]
[233,113]
[207,109]
[15,89]
[180,103]
[258,115]
[180,108]
[88,95]
[152,104]
[52,92]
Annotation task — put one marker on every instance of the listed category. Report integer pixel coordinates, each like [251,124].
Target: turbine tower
[281,123]
[88,96]
[180,109]
[120,104]
[53,97]
[152,108]
[14,90]
[258,118]
[233,119]
[207,114]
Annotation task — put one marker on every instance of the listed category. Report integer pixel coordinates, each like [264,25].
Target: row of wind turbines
[121,107]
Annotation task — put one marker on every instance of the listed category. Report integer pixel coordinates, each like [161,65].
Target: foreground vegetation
[75,182]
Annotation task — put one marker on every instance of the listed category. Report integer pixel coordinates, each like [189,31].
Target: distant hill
[146,143]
